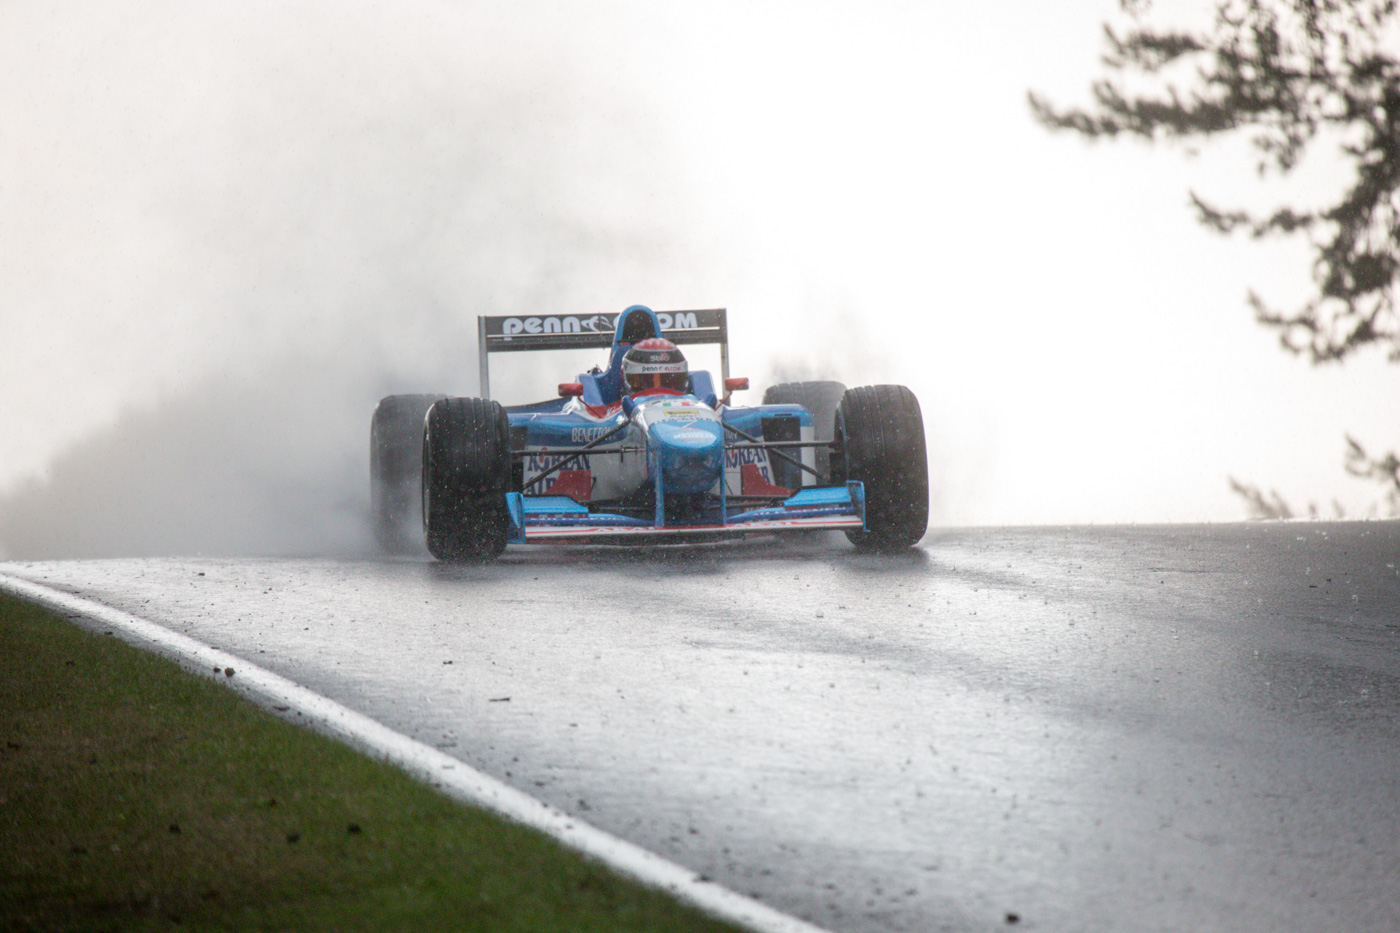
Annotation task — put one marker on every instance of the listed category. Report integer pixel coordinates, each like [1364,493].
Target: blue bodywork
[607,466]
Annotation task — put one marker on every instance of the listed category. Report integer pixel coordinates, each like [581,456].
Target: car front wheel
[466,475]
[880,441]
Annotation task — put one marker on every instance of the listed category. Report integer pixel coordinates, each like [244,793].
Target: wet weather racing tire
[880,441]
[396,470]
[821,400]
[466,475]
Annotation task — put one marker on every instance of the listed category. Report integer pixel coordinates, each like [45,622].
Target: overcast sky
[211,194]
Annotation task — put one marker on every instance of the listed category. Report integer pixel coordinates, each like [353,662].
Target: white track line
[454,777]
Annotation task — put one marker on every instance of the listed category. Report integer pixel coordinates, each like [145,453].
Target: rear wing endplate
[516,333]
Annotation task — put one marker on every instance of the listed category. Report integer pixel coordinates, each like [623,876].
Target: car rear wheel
[466,475]
[396,470]
[880,441]
[821,399]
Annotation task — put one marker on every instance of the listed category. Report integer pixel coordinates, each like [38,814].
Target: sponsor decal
[684,414]
[733,459]
[538,464]
[567,324]
[584,435]
[693,436]
[681,321]
[742,467]
[589,324]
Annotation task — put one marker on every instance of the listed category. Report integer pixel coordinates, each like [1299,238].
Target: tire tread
[466,475]
[881,442]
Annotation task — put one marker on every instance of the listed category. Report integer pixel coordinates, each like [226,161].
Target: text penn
[598,323]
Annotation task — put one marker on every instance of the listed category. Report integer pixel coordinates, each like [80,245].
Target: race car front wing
[539,519]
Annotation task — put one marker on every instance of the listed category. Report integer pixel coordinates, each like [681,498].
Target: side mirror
[733,384]
[570,389]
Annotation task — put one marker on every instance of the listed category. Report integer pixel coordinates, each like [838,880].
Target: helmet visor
[675,382]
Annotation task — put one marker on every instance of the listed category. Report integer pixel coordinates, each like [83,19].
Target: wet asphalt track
[1181,728]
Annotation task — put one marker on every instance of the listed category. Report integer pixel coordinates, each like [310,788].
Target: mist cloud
[245,226]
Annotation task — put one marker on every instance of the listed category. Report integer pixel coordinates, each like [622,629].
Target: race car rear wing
[515,333]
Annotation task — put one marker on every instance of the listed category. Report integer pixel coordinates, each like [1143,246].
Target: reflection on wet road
[1061,729]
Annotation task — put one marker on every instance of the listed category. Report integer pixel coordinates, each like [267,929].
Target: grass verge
[136,796]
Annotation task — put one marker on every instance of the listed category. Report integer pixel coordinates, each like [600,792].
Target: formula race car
[643,451]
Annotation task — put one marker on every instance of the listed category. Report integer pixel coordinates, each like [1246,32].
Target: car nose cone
[690,454]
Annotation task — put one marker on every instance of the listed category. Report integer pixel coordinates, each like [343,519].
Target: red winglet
[576,484]
[752,483]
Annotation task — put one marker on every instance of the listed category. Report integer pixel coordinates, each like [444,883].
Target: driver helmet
[655,363]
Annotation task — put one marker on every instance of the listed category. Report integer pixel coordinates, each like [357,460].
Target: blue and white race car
[643,451]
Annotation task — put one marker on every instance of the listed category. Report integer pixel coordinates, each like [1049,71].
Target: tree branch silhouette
[1287,75]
